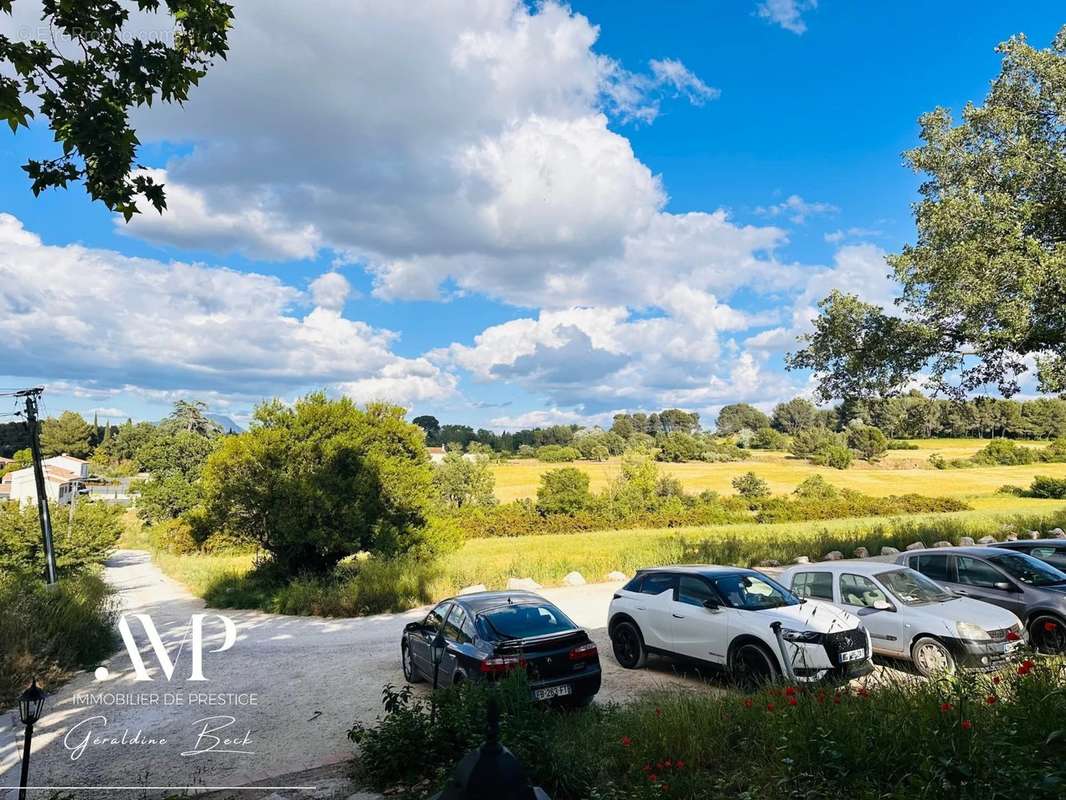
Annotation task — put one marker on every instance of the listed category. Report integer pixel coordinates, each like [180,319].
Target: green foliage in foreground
[962,738]
[51,631]
[94,533]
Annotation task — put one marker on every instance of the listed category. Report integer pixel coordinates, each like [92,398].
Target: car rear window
[522,621]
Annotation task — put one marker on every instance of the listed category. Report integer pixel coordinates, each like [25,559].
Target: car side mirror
[1003,586]
[883,605]
[711,605]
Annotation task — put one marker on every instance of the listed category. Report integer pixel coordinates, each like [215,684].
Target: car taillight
[499,664]
[583,651]
[1012,636]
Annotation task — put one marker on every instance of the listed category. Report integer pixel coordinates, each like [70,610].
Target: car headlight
[975,633]
[801,637]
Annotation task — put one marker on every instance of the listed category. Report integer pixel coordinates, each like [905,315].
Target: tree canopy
[68,433]
[982,291]
[87,89]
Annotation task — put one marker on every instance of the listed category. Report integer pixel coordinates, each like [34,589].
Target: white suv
[738,619]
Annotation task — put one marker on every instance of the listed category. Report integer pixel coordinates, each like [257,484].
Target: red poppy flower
[748,703]
[652,778]
[792,701]
[679,764]
[790,691]
[836,697]
[769,706]
[946,707]
[626,741]
[966,724]
[862,692]
[991,699]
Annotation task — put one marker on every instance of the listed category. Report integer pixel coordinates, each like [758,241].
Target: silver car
[910,617]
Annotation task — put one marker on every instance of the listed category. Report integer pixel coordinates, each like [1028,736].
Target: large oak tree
[983,289]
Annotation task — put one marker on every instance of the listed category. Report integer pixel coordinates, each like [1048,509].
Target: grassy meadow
[548,558]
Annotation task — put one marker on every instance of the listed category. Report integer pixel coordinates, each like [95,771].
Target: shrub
[1054,452]
[767,438]
[868,442]
[526,451]
[85,544]
[836,456]
[51,631]
[599,453]
[563,491]
[807,442]
[901,444]
[1007,488]
[556,453]
[751,486]
[677,447]
[1048,488]
[815,487]
[1004,452]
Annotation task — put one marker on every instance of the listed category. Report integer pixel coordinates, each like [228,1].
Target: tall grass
[51,631]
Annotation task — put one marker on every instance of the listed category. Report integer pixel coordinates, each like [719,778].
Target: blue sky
[498,213]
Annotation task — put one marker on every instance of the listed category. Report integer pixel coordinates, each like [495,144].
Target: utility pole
[31,396]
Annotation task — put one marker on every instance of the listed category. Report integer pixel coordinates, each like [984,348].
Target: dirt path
[310,678]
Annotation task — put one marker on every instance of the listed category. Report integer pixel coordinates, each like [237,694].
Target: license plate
[548,692]
[853,655]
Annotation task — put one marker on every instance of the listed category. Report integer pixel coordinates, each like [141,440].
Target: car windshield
[753,593]
[525,620]
[913,588]
[1030,571]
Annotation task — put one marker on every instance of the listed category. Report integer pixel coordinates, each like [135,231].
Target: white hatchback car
[910,617]
[738,619]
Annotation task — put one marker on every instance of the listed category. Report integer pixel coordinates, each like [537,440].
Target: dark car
[1052,551]
[1033,590]
[487,635]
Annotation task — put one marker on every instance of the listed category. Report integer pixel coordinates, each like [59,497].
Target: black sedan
[486,635]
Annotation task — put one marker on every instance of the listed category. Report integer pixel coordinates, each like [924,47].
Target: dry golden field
[901,471]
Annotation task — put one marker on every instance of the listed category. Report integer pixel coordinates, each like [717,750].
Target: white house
[436,454]
[62,477]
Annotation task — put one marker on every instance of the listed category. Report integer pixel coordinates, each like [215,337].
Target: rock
[942,543]
[523,583]
[967,541]
[987,540]
[1011,537]
[770,562]
[1058,533]
[861,552]
[574,579]
[616,576]
[889,551]
[477,587]
[802,560]
[916,546]
[833,555]
[1033,534]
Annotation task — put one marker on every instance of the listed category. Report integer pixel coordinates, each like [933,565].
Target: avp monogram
[161,655]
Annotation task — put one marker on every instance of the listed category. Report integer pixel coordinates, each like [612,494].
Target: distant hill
[227,424]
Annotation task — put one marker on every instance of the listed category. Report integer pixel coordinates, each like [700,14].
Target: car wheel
[410,671]
[931,657]
[1047,634]
[628,645]
[752,666]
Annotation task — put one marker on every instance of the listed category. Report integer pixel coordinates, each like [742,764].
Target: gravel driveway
[292,686]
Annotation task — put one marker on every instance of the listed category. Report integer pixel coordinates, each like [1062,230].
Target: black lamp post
[492,772]
[31,704]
